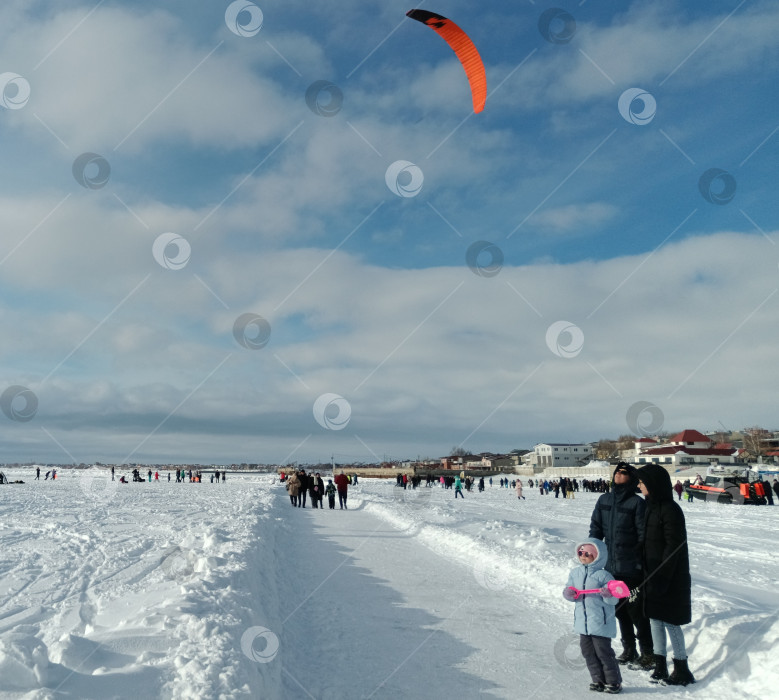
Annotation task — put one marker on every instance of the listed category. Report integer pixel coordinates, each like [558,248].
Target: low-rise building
[459,462]
[505,462]
[560,454]
[685,449]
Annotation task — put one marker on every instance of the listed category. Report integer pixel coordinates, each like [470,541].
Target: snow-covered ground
[168,590]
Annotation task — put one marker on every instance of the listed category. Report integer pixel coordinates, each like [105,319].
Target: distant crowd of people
[560,486]
[301,485]
[182,475]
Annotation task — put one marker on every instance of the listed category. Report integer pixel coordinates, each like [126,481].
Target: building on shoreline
[556,455]
[685,449]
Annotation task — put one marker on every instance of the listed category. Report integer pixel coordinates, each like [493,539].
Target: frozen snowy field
[204,591]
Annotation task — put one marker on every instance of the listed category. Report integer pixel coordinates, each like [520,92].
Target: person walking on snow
[769,496]
[317,487]
[342,485]
[304,485]
[320,490]
[518,489]
[330,491]
[458,487]
[593,616]
[293,489]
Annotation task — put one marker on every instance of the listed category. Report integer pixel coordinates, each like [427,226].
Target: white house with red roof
[685,449]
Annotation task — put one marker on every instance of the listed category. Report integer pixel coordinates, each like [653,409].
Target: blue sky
[596,214]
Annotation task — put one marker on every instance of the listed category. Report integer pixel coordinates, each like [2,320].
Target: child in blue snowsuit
[593,616]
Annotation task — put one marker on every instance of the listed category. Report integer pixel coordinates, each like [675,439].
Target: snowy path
[367,611]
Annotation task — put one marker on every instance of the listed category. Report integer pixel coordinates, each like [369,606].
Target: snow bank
[152,584]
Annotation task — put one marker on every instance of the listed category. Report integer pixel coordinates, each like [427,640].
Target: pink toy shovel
[618,589]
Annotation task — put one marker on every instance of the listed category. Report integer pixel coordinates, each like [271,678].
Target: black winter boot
[681,674]
[645,662]
[628,654]
[661,670]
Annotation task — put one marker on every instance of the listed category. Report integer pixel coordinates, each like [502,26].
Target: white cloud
[413,363]
[576,218]
[645,46]
[126,79]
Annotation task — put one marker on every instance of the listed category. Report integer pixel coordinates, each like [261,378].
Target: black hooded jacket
[618,520]
[666,560]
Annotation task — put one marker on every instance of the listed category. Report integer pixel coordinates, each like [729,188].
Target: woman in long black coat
[667,588]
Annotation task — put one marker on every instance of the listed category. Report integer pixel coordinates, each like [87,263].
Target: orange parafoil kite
[463,47]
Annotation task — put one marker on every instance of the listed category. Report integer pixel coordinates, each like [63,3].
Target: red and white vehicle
[740,485]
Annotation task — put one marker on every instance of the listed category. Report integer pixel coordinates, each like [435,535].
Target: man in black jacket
[618,519]
[305,484]
[769,496]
